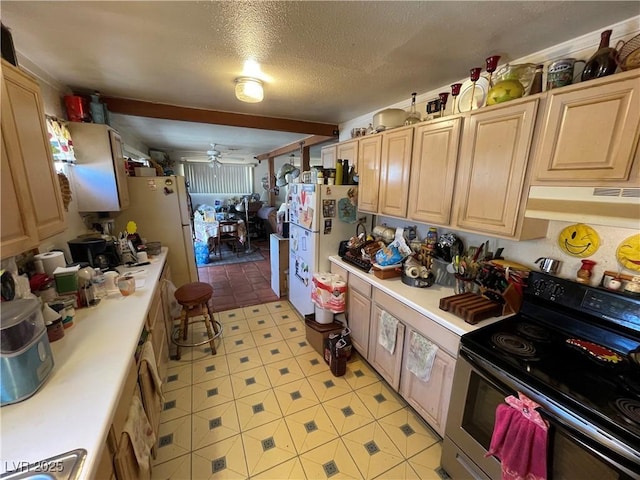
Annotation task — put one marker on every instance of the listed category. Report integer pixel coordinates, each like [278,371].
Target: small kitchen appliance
[25,354]
[97,252]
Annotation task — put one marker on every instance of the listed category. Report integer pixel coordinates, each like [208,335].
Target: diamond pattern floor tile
[235,327]
[289,469]
[255,311]
[427,461]
[380,399]
[174,439]
[326,386]
[177,403]
[310,428]
[284,371]
[274,353]
[211,393]
[331,460]
[214,424]
[299,346]
[258,409]
[359,374]
[295,396]
[260,322]
[408,432]
[222,460]
[250,382]
[243,360]
[276,307]
[239,343]
[312,363]
[372,450]
[177,377]
[267,336]
[404,472]
[347,413]
[209,368]
[267,446]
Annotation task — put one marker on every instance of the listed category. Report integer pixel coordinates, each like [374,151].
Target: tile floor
[267,407]
[240,284]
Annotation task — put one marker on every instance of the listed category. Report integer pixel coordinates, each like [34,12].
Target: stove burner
[514,344]
[630,410]
[534,332]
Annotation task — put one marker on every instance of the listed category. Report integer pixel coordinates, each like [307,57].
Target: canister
[25,354]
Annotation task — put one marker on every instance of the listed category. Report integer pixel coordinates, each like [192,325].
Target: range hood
[616,207]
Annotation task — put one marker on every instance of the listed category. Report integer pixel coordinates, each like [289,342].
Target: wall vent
[616,192]
[630,193]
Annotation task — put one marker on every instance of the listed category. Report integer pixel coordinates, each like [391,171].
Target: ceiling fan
[214,156]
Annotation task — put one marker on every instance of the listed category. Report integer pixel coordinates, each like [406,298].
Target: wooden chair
[228,234]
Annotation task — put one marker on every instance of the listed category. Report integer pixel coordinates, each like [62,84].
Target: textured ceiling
[321,61]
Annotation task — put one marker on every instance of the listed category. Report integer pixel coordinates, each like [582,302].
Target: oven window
[480,409]
[571,461]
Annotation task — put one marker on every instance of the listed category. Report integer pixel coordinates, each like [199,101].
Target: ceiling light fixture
[249,90]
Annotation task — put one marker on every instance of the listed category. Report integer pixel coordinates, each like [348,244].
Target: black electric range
[578,347]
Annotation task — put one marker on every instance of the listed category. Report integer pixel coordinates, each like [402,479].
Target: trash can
[202,253]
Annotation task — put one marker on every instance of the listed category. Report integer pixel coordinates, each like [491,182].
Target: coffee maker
[97,252]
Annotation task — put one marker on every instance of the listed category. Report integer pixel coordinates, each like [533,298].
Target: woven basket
[628,53]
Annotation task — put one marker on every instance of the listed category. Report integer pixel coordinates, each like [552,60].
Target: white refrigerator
[161,209]
[320,217]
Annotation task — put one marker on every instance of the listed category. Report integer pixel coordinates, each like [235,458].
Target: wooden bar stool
[194,298]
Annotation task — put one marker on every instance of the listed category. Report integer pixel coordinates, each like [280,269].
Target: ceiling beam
[140,108]
[297,146]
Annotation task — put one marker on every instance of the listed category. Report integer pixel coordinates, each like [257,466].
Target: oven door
[476,393]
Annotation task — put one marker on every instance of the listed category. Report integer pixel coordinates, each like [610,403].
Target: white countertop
[75,406]
[424,300]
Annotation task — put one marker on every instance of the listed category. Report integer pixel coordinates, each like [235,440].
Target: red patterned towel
[519,440]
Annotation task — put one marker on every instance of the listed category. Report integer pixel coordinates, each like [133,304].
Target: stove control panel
[598,302]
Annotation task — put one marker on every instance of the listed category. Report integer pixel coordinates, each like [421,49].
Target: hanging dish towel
[148,355]
[519,440]
[421,355]
[388,332]
[141,435]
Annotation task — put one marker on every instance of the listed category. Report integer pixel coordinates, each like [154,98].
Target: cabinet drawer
[122,409]
[360,285]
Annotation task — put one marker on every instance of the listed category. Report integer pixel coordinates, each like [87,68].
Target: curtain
[225,178]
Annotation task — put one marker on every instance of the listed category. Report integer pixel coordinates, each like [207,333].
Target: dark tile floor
[240,284]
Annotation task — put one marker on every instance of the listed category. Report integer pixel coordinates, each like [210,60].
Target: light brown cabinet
[493,172]
[369,149]
[395,166]
[359,313]
[387,363]
[348,151]
[589,133]
[328,155]
[100,177]
[433,170]
[32,207]
[429,398]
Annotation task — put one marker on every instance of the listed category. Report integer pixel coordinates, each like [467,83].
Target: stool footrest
[177,332]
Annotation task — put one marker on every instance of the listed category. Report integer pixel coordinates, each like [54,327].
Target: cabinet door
[27,114]
[19,232]
[359,311]
[590,133]
[369,173]
[433,170]
[348,151]
[395,165]
[386,364]
[119,168]
[328,156]
[430,398]
[494,155]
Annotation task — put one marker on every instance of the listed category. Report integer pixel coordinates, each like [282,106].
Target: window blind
[225,178]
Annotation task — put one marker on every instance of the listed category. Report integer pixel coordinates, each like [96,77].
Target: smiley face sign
[579,240]
[628,253]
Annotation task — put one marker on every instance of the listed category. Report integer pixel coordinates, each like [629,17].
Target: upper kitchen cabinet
[589,133]
[100,177]
[328,156]
[32,208]
[433,170]
[493,174]
[395,165]
[348,151]
[369,149]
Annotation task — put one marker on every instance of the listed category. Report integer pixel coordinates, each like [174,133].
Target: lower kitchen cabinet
[429,398]
[359,313]
[387,362]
